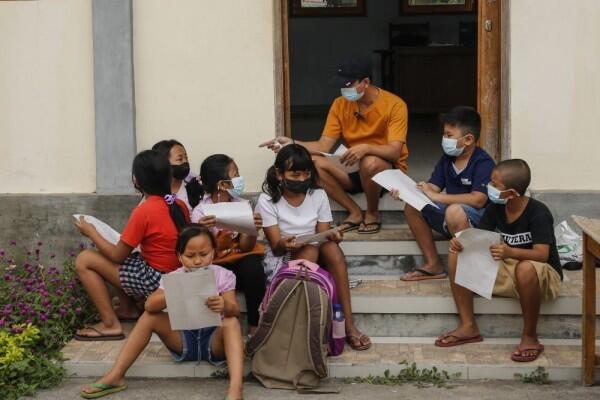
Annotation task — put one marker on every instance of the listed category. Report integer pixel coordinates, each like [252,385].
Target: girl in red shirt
[153,227]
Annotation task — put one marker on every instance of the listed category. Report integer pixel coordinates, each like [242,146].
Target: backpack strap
[270,315]
[315,339]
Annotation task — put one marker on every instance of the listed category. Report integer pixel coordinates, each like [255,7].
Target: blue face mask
[238,187]
[449,146]
[494,195]
[351,94]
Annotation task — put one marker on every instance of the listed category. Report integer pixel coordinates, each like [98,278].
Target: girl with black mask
[184,185]
[294,205]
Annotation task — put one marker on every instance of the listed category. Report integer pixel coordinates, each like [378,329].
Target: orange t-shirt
[385,121]
[151,226]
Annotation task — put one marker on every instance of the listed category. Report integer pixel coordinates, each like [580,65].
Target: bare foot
[235,392]
[100,329]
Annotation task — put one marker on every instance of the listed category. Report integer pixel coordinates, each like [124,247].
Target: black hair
[516,174]
[465,118]
[193,188]
[292,157]
[213,169]
[191,231]
[152,173]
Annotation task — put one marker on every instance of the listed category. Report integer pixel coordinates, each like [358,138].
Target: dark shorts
[436,217]
[137,277]
[196,346]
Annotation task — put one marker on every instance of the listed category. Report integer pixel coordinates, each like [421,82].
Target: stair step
[486,360]
[386,203]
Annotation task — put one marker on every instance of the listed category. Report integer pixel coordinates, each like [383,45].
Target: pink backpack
[309,271]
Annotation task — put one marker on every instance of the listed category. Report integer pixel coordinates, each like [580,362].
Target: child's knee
[410,210]
[455,215]
[525,273]
[82,261]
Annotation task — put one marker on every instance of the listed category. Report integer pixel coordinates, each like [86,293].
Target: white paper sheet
[394,179]
[186,295]
[103,228]
[316,238]
[234,215]
[335,159]
[477,269]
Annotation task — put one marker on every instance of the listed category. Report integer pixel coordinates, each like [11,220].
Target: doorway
[433,61]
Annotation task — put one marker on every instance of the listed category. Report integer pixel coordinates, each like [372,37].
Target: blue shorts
[436,218]
[196,346]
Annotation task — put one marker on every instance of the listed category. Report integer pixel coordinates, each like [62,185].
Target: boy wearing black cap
[372,123]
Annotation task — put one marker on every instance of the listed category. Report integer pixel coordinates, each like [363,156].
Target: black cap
[351,70]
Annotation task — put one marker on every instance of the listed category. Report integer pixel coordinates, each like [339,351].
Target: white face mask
[351,94]
[238,187]
[449,146]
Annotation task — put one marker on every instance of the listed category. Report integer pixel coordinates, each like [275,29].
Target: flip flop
[102,337]
[104,390]
[364,231]
[425,276]
[521,358]
[352,339]
[351,226]
[464,340]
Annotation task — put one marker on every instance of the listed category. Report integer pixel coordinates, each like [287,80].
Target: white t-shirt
[295,221]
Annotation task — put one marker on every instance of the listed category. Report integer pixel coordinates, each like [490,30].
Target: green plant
[424,377]
[22,370]
[538,376]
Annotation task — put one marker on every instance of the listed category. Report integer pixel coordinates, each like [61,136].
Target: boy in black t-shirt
[529,269]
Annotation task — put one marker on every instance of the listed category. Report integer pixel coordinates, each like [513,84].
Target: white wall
[555,91]
[46,97]
[204,75]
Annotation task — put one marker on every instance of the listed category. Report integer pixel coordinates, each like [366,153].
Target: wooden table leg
[588,318]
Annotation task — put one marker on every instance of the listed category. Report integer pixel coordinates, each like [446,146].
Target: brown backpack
[289,348]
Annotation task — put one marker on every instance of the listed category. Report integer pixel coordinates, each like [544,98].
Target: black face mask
[181,171]
[297,186]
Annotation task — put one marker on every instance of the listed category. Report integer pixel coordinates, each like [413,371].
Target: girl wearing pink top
[217,345]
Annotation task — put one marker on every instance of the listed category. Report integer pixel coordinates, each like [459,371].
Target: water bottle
[338,334]
[338,314]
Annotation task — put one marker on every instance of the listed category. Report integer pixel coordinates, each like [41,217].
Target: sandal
[424,276]
[358,343]
[459,340]
[519,357]
[365,228]
[104,390]
[101,337]
[349,226]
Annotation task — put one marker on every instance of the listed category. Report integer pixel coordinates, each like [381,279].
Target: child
[185,185]
[463,171]
[237,252]
[529,268]
[195,249]
[294,205]
[153,225]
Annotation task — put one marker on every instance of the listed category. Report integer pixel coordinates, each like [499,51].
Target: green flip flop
[104,390]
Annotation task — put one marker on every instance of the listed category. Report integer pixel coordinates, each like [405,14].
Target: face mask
[238,187]
[297,186]
[181,171]
[494,195]
[449,146]
[351,94]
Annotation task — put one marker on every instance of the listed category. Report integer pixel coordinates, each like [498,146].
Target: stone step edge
[164,369]
[388,248]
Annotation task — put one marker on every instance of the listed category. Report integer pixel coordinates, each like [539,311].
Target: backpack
[289,349]
[312,272]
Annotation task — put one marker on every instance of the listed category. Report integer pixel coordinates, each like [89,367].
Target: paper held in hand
[335,159]
[103,228]
[476,269]
[186,295]
[394,179]
[316,237]
[234,215]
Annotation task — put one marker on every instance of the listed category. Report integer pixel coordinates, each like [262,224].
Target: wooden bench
[591,252]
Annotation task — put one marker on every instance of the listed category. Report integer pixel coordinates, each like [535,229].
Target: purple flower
[81,245]
[13,243]
[44,317]
[7,277]
[28,253]
[39,243]
[2,253]
[71,254]
[78,310]
[2,323]
[37,251]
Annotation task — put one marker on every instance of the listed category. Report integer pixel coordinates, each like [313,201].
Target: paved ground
[200,389]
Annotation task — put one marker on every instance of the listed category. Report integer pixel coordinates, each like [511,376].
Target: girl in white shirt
[292,205]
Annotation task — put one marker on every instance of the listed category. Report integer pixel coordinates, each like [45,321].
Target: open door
[489,72]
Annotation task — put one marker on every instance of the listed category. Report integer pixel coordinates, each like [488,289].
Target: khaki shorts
[506,282]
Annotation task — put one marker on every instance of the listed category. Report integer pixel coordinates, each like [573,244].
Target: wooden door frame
[493,101]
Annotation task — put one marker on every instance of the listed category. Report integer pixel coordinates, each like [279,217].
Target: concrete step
[386,203]
[487,360]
